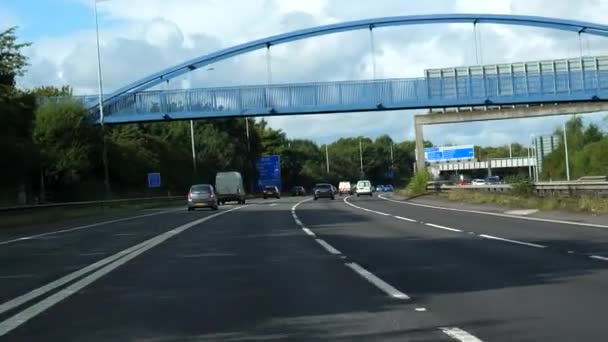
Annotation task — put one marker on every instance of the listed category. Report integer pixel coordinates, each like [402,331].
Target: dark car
[271,191]
[492,180]
[324,190]
[298,191]
[388,188]
[202,196]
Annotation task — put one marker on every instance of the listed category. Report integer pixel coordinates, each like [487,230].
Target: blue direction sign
[269,171]
[154,180]
[447,153]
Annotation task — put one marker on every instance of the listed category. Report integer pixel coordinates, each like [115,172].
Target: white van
[229,187]
[364,187]
[345,188]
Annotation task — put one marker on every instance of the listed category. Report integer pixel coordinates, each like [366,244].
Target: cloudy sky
[139,37]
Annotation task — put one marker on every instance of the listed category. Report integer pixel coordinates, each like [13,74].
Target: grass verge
[584,204]
[15,219]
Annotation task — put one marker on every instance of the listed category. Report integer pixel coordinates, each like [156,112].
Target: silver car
[202,196]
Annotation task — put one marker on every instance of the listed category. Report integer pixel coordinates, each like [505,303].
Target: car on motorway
[364,187]
[298,191]
[345,188]
[388,188]
[202,196]
[271,191]
[379,188]
[324,190]
[492,180]
[229,187]
[334,190]
[478,182]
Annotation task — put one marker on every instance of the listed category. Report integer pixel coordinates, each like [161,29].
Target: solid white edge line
[379,283]
[511,241]
[572,223]
[598,257]
[86,226]
[308,231]
[459,334]
[102,264]
[405,219]
[328,247]
[443,227]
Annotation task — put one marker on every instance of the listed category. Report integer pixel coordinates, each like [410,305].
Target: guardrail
[595,188]
[90,203]
[571,188]
[489,188]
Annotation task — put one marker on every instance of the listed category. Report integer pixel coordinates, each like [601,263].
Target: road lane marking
[453,229]
[308,231]
[106,263]
[85,226]
[443,227]
[459,334]
[598,257]
[511,241]
[572,223]
[273,204]
[405,219]
[64,280]
[328,247]
[379,283]
[420,309]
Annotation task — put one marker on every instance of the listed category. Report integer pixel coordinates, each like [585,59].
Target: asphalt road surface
[352,269]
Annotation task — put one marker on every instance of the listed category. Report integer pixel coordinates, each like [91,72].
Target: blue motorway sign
[154,180]
[447,153]
[269,171]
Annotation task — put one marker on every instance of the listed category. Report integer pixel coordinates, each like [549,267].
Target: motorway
[352,269]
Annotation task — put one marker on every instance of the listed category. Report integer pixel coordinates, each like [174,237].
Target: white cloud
[143,36]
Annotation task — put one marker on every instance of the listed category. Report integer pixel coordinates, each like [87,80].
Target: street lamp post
[566,153]
[193,149]
[326,159]
[361,156]
[104,152]
[529,164]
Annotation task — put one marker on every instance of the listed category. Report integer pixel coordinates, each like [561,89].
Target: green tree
[12,60]
[592,134]
[16,117]
[66,141]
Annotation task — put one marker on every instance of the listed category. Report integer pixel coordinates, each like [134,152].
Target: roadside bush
[418,184]
[522,188]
